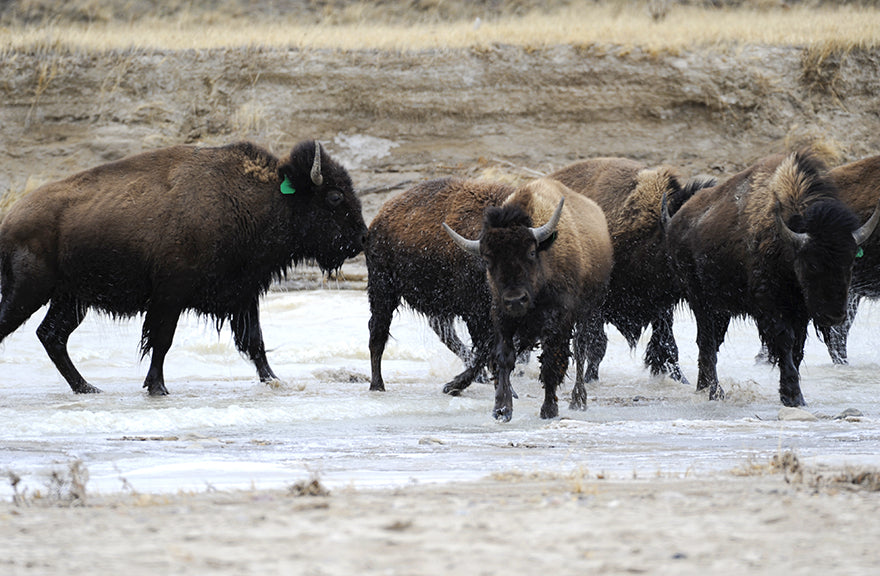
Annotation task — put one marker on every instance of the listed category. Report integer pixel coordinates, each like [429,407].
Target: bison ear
[548,242]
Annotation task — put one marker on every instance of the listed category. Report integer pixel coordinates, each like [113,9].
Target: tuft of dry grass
[584,24]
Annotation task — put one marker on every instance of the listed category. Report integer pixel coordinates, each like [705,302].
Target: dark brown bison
[410,258]
[182,228]
[643,289]
[858,184]
[544,280]
[775,243]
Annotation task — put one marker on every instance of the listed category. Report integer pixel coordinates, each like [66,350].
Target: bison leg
[384,300]
[158,333]
[481,339]
[249,339]
[445,330]
[554,363]
[505,358]
[661,354]
[63,317]
[711,328]
[836,336]
[785,343]
[590,344]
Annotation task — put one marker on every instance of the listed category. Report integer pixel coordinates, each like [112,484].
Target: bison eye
[334,198]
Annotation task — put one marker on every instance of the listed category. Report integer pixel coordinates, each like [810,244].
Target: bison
[195,228]
[858,184]
[643,289]
[410,258]
[774,243]
[544,280]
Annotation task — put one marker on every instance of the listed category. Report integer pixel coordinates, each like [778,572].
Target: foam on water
[220,427]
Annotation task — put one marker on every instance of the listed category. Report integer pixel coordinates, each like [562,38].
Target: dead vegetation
[64,487]
[655,25]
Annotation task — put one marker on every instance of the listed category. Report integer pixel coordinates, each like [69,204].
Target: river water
[220,428]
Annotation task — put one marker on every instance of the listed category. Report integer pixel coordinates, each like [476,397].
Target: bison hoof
[549,411]
[451,389]
[377,387]
[578,404]
[157,390]
[578,398]
[85,388]
[793,401]
[503,414]
[716,392]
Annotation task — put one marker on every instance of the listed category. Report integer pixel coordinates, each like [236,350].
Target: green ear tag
[860,252]
[286,187]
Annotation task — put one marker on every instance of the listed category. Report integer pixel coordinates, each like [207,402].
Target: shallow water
[221,428]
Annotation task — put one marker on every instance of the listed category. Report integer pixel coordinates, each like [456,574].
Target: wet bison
[544,281]
[181,228]
[411,259]
[858,184]
[643,289]
[775,243]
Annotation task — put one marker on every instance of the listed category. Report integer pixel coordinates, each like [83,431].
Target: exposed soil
[443,111]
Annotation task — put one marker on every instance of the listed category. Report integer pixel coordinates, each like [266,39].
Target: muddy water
[222,428]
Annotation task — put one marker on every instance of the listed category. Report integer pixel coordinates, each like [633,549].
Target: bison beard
[181,228]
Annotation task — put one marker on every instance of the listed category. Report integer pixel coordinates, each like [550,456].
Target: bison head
[327,212]
[511,248]
[822,243]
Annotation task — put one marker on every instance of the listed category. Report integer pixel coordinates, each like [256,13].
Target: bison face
[512,268]
[511,249]
[325,207]
[823,246]
[824,282]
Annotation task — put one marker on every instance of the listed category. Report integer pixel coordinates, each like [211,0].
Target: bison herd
[602,241]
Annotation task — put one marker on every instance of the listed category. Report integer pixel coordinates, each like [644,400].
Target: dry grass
[624,24]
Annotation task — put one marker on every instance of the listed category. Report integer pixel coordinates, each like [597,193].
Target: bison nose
[516,302]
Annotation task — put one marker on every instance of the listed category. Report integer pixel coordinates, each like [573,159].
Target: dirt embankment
[442,111]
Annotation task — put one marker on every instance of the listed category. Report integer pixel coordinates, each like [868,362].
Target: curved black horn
[469,246]
[868,227]
[798,239]
[317,178]
[547,229]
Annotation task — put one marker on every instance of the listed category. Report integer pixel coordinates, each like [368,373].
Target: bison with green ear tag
[775,243]
[195,228]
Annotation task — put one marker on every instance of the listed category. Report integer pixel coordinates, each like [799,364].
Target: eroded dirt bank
[442,111]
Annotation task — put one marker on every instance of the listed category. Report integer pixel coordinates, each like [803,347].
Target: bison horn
[867,228]
[798,239]
[317,178]
[547,229]
[469,246]
[664,212]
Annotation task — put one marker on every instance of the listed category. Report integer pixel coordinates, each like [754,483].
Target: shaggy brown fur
[410,257]
[542,288]
[735,257]
[643,290]
[181,228]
